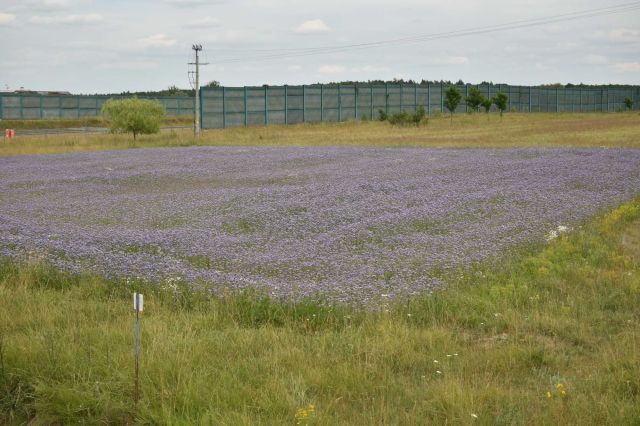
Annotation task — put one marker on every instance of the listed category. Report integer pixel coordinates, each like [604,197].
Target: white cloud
[312,26]
[595,60]
[191,3]
[294,67]
[331,69]
[452,60]
[52,4]
[627,67]
[206,22]
[5,18]
[156,40]
[624,35]
[370,69]
[90,18]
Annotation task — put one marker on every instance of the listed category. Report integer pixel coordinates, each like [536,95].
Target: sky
[101,46]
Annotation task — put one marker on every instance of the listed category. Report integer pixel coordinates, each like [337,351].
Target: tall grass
[467,130]
[551,336]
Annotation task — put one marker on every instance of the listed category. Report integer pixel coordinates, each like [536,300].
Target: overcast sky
[86,46]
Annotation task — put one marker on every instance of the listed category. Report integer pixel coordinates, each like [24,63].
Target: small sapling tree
[628,103]
[486,104]
[500,100]
[452,99]
[475,98]
[133,115]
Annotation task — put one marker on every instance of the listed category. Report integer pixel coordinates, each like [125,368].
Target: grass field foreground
[552,337]
[467,130]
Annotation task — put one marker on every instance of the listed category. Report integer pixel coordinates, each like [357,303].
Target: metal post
[371,100]
[442,99]
[322,102]
[339,103]
[1,107]
[304,103]
[286,105]
[246,115]
[40,106]
[557,105]
[386,98]
[415,97]
[529,98]
[266,106]
[224,107]
[97,107]
[428,98]
[137,308]
[201,110]
[21,107]
[355,94]
[466,105]
[401,90]
[77,106]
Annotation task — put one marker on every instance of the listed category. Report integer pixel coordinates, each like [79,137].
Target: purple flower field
[347,224]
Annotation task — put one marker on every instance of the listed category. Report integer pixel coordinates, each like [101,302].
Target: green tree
[629,103]
[475,98]
[133,115]
[500,100]
[452,98]
[486,104]
[212,84]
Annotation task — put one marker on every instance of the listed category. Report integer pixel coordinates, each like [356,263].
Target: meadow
[501,285]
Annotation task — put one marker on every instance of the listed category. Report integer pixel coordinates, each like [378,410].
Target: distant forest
[175,91]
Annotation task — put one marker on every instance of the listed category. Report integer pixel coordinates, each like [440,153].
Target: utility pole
[196,113]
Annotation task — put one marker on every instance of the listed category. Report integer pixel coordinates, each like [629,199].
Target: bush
[452,99]
[133,115]
[364,117]
[404,118]
[382,115]
[475,98]
[500,100]
[628,103]
[486,104]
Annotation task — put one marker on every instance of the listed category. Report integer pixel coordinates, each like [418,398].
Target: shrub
[382,115]
[486,104]
[628,103]
[452,99]
[133,115]
[364,117]
[475,98]
[500,100]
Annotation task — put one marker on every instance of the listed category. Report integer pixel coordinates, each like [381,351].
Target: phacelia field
[341,224]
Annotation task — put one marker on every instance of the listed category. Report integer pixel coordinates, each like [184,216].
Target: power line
[419,38]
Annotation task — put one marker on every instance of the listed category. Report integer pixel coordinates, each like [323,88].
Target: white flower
[438,372]
[475,416]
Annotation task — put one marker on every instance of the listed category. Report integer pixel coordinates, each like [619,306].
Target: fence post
[224,107]
[321,102]
[386,98]
[97,112]
[21,108]
[401,90]
[1,107]
[428,99]
[77,106]
[529,98]
[466,91]
[441,99]
[40,106]
[339,103]
[286,104]
[304,103]
[557,105]
[201,107]
[266,106]
[509,104]
[245,107]
[355,93]
[415,97]
[371,100]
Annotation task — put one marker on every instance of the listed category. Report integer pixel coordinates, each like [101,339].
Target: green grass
[467,130]
[492,346]
[61,123]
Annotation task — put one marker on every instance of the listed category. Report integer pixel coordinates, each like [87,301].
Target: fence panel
[36,106]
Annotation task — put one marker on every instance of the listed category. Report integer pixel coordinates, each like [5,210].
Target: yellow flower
[549,394]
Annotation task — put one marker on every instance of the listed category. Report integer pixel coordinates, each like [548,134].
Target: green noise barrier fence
[246,106]
[36,106]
